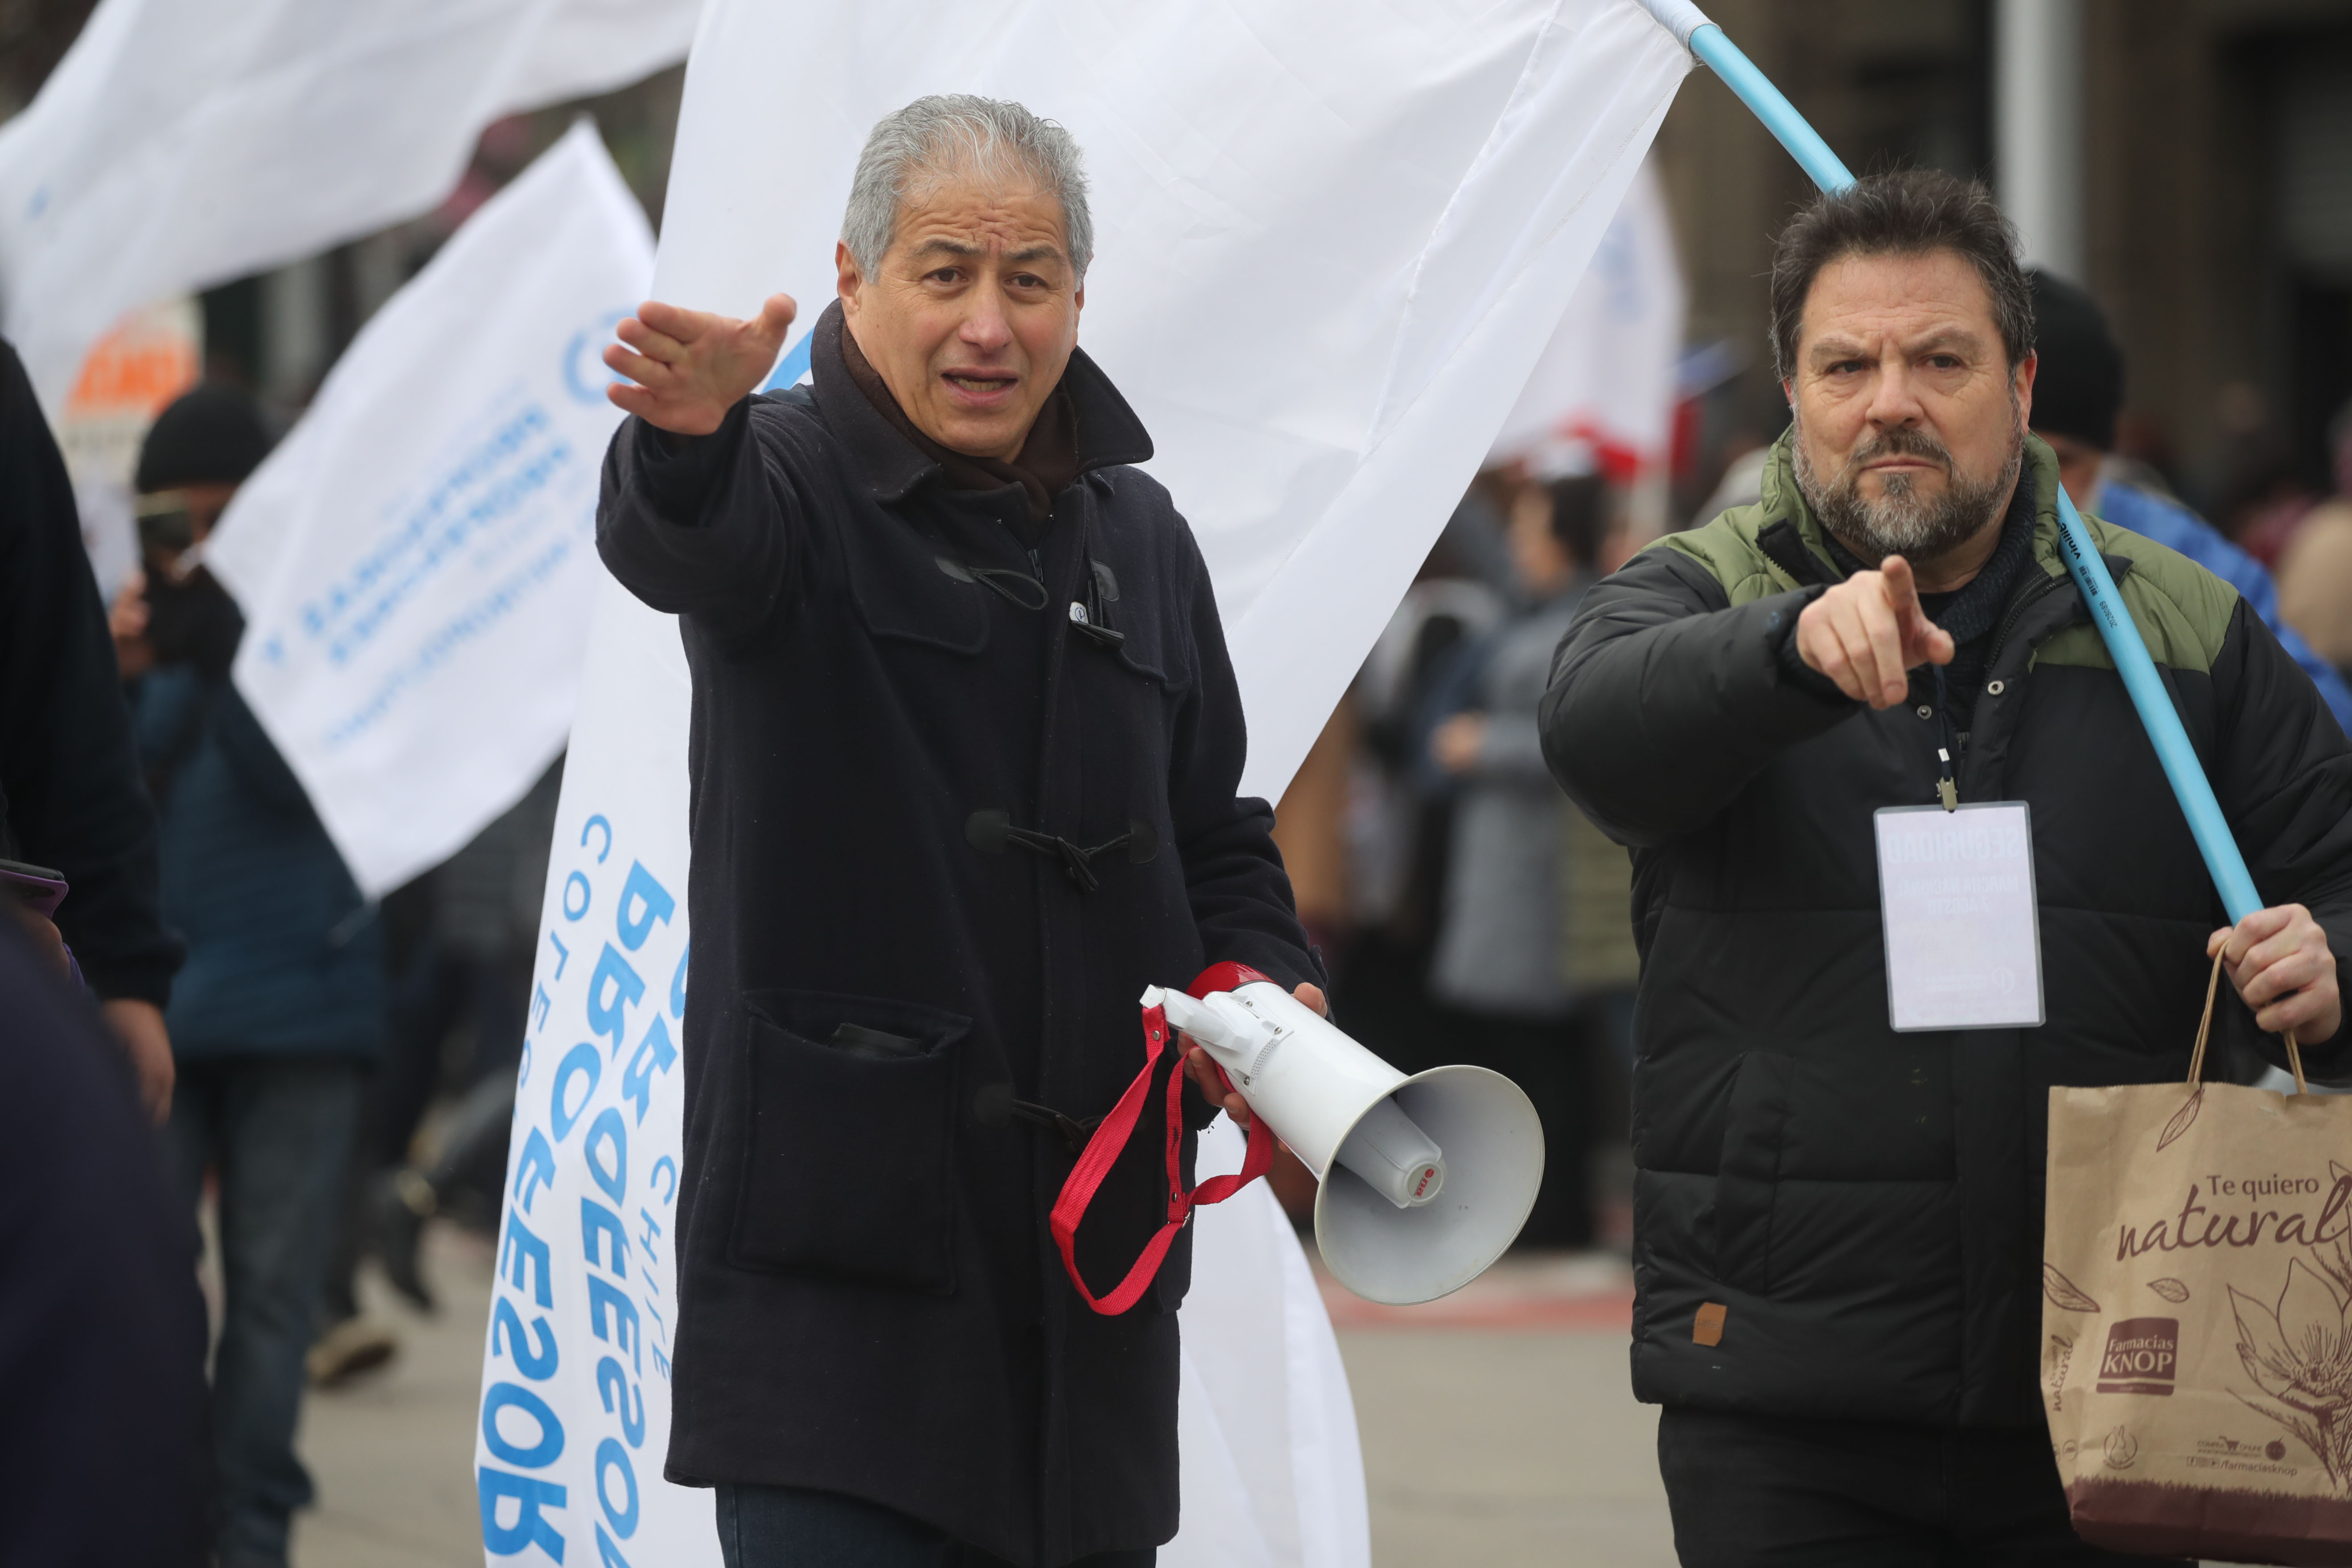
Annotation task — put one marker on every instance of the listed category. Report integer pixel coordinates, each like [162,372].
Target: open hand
[1202,1066]
[690,367]
[1868,632]
[2278,960]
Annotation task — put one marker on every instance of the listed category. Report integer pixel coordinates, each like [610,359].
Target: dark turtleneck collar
[1085,424]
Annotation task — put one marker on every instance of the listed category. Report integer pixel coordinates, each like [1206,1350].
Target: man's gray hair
[937,138]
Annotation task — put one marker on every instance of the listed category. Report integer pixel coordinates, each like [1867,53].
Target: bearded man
[1838,1226]
[965,751]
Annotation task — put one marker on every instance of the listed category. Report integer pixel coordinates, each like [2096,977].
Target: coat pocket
[850,1164]
[1749,1172]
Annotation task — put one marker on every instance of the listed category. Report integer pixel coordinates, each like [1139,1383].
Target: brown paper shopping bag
[2196,1350]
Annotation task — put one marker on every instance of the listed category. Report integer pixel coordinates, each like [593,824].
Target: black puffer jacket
[1867,1205]
[885,683]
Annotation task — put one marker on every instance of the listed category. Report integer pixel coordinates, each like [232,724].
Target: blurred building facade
[2215,147]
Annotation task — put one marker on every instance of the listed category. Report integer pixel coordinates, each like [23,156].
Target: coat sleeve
[2283,772]
[1232,872]
[73,799]
[706,526]
[1665,699]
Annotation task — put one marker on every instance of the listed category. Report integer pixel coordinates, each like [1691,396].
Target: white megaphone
[1425,1179]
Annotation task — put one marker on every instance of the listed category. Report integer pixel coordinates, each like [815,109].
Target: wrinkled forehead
[1905,294]
[1001,203]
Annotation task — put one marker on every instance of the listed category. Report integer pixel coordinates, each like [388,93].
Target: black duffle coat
[903,748]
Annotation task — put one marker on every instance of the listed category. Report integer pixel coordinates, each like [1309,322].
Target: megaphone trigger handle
[1087,1177]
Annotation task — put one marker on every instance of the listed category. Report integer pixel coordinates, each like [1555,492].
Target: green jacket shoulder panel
[2182,610]
[1727,549]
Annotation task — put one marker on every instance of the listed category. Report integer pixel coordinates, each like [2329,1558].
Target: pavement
[1498,1426]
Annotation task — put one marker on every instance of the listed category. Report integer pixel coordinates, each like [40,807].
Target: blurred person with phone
[278,1014]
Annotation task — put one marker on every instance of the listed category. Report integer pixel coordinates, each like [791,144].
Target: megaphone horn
[1425,1178]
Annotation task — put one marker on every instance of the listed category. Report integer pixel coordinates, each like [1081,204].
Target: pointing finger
[1883,625]
[1902,588]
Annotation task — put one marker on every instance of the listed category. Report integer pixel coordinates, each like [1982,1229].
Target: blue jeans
[279,1130]
[791,1526]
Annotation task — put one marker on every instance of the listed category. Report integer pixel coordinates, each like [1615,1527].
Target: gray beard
[1903,521]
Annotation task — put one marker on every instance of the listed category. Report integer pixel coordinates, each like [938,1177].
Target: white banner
[181,143]
[416,560]
[1603,393]
[575,1375]
[1331,243]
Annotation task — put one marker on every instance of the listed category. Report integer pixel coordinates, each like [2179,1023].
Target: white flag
[1603,393]
[181,143]
[575,1372]
[416,560]
[1330,244]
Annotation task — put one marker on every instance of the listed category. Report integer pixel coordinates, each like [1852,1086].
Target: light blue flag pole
[793,365]
[1707,40]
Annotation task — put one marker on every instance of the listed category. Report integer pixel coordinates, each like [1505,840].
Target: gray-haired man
[965,752]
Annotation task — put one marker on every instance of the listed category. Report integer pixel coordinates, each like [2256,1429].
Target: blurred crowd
[333,1075]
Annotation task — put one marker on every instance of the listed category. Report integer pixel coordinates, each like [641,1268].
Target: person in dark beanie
[2077,395]
[279,1012]
[1838,1224]
[70,799]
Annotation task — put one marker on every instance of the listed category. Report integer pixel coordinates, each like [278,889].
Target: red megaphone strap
[1102,1150]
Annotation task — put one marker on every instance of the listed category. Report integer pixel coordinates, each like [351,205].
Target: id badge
[1963,935]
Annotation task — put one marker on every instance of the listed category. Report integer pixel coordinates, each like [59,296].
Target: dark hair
[1580,516]
[212,435]
[1908,213]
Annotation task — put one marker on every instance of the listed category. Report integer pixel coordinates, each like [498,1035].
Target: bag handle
[2205,1025]
[1102,1151]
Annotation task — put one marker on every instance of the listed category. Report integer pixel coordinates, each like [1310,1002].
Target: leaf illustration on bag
[2181,1119]
[2335,1257]
[2063,1293]
[2300,1354]
[2172,1290]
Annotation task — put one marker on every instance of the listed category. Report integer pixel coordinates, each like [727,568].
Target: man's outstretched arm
[1665,699]
[694,517]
